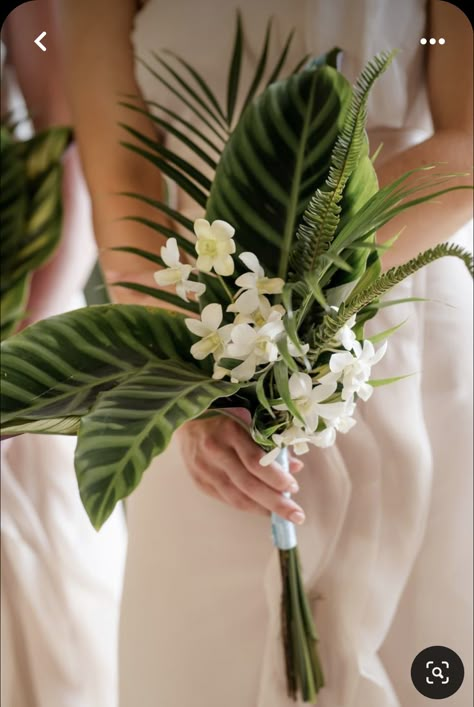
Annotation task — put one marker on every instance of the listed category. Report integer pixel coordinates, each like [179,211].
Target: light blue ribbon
[283,531]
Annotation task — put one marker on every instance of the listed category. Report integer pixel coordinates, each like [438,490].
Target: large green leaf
[275,159]
[192,90]
[133,423]
[57,367]
[30,213]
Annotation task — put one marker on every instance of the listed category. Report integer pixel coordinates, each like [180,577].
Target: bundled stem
[303,668]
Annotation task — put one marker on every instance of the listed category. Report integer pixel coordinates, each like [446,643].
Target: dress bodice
[202,33]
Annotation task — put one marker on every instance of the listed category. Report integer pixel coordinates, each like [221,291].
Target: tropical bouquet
[276,279]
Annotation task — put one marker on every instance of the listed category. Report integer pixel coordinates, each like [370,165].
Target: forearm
[96,87]
[434,222]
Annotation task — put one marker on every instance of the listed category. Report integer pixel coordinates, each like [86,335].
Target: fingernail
[297,517]
[293,487]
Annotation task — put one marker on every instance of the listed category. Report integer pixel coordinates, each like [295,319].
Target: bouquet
[276,278]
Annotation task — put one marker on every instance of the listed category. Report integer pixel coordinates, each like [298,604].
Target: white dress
[61,580]
[385,547]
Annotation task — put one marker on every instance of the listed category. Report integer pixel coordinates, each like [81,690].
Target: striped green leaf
[277,156]
[193,92]
[30,213]
[134,422]
[57,367]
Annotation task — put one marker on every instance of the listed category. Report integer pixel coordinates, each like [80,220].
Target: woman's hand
[224,462]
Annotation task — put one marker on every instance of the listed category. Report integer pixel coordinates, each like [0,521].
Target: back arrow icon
[38,41]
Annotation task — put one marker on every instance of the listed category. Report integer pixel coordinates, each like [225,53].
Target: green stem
[225,288]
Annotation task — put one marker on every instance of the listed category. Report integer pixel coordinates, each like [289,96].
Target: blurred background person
[60,581]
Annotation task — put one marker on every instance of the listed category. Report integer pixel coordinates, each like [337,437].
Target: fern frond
[333,321]
[322,215]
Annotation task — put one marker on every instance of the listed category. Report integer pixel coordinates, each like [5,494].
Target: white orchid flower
[261,315]
[292,437]
[309,401]
[345,336]
[345,421]
[255,346]
[220,372]
[255,285]
[177,273]
[295,351]
[354,369]
[213,336]
[214,246]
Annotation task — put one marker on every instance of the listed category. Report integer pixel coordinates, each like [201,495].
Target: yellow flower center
[207,246]
[212,342]
[261,346]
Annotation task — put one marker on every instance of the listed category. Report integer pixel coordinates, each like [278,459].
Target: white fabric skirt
[385,547]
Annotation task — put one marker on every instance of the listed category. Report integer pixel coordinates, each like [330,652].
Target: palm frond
[234,71]
[183,242]
[173,130]
[191,89]
[204,103]
[193,129]
[322,215]
[219,134]
[260,68]
[185,179]
[159,294]
[203,85]
[281,60]
[163,208]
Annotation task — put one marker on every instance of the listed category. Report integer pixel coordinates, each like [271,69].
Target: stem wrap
[283,531]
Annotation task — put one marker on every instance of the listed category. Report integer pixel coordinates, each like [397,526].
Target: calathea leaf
[57,367]
[131,424]
[31,212]
[277,156]
[192,90]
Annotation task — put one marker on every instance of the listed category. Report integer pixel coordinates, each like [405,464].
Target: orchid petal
[247,302]
[248,281]
[246,370]
[224,265]
[202,228]
[196,327]
[204,262]
[211,316]
[170,253]
[252,262]
[221,230]
[300,385]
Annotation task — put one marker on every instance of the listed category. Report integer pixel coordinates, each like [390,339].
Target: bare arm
[450,86]
[99,70]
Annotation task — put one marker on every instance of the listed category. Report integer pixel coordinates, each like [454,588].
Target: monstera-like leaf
[30,214]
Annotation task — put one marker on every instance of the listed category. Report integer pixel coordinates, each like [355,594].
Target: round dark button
[437,672]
